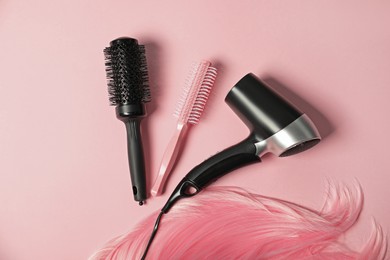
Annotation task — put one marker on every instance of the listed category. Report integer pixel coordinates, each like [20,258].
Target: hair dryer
[275,125]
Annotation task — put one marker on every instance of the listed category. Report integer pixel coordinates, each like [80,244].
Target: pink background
[64,179]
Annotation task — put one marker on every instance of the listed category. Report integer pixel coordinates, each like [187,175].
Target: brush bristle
[127,74]
[196,92]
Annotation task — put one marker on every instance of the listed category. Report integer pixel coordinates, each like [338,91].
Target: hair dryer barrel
[276,125]
[260,108]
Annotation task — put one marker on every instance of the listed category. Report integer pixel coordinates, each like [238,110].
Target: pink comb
[189,110]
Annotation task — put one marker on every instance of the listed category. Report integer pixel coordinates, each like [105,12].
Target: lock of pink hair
[230,223]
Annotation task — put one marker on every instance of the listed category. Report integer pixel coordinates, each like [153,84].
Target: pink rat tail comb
[190,107]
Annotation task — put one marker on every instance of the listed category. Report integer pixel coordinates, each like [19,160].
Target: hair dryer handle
[222,163]
[213,168]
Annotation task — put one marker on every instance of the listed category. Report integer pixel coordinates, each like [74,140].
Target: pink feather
[230,223]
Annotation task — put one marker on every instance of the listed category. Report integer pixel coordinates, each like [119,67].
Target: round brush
[128,90]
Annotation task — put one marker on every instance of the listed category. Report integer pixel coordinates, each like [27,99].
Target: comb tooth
[109,75]
[182,101]
[144,73]
[188,91]
[202,96]
[195,93]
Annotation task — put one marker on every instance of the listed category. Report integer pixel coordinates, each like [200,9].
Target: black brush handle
[200,176]
[136,159]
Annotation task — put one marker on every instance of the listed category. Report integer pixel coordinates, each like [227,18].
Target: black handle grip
[136,159]
[213,168]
